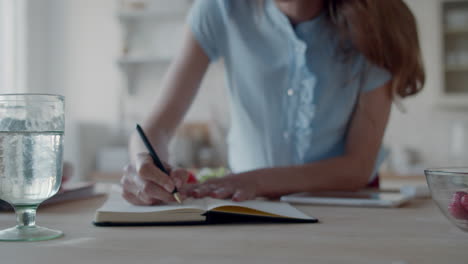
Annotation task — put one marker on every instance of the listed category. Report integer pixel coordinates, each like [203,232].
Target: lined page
[116,203]
[280,209]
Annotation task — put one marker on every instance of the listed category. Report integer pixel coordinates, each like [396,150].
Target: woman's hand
[145,184]
[238,187]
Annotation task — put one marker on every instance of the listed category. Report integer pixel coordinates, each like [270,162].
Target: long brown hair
[385,32]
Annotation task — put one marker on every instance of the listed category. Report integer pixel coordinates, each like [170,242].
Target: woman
[311,85]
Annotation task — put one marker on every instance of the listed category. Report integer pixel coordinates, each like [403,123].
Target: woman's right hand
[145,184]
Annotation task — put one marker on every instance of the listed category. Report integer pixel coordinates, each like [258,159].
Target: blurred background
[108,57]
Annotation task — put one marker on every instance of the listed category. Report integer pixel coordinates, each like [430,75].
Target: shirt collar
[282,21]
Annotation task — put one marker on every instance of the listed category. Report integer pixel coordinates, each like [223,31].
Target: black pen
[156,159]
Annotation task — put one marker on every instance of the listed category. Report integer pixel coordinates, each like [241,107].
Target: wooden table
[417,233]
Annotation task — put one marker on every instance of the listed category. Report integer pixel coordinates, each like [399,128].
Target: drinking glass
[31,150]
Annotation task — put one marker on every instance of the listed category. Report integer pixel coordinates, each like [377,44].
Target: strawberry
[457,196]
[464,202]
[456,208]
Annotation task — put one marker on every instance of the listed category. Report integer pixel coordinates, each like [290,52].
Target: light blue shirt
[292,92]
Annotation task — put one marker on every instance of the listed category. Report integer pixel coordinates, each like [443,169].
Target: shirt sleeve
[373,77]
[206,22]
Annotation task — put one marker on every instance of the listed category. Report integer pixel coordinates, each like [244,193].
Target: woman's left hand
[238,187]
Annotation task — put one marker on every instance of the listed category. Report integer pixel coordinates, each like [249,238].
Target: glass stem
[25,216]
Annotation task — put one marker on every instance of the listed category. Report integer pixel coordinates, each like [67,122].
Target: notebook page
[116,203]
[280,209]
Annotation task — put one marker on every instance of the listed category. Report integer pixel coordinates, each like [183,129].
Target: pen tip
[177,197]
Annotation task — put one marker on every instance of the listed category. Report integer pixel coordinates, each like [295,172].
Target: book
[118,212]
[69,192]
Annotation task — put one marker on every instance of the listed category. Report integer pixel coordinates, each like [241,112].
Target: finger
[202,191]
[128,181]
[195,193]
[155,192]
[223,193]
[133,187]
[186,191]
[132,198]
[127,171]
[149,190]
[148,171]
[180,177]
[144,197]
[242,195]
[189,189]
[138,198]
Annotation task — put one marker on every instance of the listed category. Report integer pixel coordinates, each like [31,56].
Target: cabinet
[455,52]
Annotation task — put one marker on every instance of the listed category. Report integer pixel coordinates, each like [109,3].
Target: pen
[156,159]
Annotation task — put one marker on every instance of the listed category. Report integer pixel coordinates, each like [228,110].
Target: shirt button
[290,92]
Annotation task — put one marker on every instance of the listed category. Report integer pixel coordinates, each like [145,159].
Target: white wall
[13,70]
[3,46]
[82,42]
[72,47]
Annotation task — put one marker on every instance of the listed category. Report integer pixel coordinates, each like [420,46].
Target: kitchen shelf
[124,15]
[453,101]
[463,68]
[457,31]
[454,89]
[142,59]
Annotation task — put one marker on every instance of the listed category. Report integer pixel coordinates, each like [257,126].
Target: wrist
[158,141]
[270,182]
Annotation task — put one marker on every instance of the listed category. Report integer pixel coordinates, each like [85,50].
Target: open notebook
[116,211]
